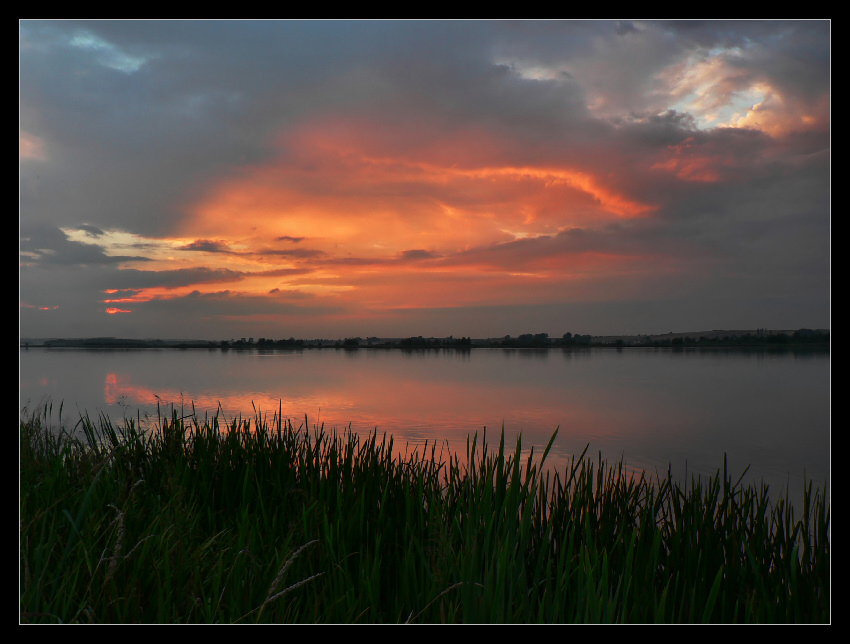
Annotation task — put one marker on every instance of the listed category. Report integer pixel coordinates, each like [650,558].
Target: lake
[769,410]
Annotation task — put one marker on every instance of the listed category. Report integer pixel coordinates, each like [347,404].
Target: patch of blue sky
[108,54]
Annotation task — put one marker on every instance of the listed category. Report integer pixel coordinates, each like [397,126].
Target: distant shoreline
[703,339]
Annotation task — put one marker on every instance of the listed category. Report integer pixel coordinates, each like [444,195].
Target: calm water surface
[768,410]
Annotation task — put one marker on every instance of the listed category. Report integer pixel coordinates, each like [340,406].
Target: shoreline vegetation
[204,521]
[817,339]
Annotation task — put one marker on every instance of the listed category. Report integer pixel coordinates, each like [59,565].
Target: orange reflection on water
[441,397]
[117,390]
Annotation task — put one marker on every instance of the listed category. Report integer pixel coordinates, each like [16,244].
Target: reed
[256,520]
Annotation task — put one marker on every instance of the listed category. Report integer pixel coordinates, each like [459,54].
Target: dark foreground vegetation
[245,522]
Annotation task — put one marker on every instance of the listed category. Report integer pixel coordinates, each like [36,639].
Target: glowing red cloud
[351,187]
[385,219]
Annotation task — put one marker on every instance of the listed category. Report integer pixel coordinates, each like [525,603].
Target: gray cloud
[207,246]
[46,244]
[417,254]
[93,231]
[136,279]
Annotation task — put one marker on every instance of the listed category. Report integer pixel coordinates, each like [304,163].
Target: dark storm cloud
[207,246]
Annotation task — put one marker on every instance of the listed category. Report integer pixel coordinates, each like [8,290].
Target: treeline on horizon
[762,337]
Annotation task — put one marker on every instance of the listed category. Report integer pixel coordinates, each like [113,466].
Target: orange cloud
[361,220]
[336,187]
[694,169]
[692,162]
[779,115]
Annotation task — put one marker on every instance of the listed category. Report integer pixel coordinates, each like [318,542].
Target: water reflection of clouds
[649,407]
[121,391]
[436,397]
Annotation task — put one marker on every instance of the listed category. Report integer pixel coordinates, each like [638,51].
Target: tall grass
[243,522]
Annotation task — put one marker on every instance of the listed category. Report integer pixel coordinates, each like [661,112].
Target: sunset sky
[225,179]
